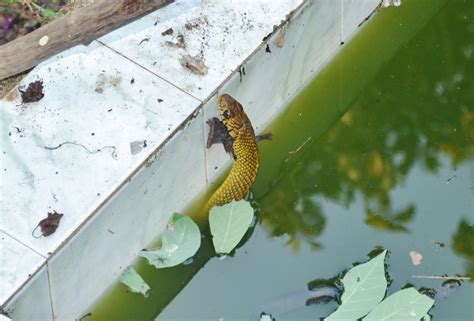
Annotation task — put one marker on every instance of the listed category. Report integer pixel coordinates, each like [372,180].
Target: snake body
[240,137]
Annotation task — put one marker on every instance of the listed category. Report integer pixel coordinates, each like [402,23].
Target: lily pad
[180,241]
[407,304]
[134,281]
[364,288]
[228,224]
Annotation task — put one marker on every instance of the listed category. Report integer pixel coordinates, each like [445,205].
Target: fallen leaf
[179,242]
[33,93]
[194,64]
[167,32]
[229,223]
[416,258]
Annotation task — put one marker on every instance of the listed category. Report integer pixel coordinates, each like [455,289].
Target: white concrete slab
[221,33]
[33,303]
[70,150]
[17,264]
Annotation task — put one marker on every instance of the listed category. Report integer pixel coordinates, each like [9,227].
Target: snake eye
[226,114]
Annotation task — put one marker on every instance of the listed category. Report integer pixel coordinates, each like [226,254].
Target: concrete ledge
[81,150]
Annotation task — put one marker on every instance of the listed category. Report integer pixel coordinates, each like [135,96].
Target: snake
[234,130]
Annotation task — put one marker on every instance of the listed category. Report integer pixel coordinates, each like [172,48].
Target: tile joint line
[25,245]
[150,71]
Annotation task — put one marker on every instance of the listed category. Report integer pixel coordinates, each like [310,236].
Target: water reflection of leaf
[463,244]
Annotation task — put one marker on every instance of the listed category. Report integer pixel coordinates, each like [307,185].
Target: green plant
[365,286]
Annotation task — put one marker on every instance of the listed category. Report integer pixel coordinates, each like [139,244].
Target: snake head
[232,114]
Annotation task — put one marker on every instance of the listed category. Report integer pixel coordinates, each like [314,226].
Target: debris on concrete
[33,93]
[179,44]
[137,146]
[194,64]
[49,224]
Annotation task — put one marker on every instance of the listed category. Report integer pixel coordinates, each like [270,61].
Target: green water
[378,150]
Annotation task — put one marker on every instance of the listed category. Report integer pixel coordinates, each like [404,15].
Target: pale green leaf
[364,288]
[134,281]
[407,304]
[228,224]
[179,242]
[266,317]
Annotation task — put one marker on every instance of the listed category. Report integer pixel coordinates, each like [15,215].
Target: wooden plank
[81,26]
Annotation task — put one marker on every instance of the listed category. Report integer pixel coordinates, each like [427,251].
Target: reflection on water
[377,151]
[417,110]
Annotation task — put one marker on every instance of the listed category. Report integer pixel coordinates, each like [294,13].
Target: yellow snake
[241,141]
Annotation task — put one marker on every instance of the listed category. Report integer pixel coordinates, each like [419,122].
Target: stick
[441,277]
[80,26]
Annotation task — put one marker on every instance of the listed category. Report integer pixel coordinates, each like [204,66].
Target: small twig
[437,277]
[114,154]
[301,146]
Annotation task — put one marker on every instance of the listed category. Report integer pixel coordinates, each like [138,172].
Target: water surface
[377,151]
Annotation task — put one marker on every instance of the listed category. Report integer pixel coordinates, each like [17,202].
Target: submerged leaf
[134,281]
[407,304]
[228,224]
[364,288]
[180,241]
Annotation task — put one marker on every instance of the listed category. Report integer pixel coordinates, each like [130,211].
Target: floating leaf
[179,242]
[407,304]
[134,281]
[228,224]
[364,288]
[266,317]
